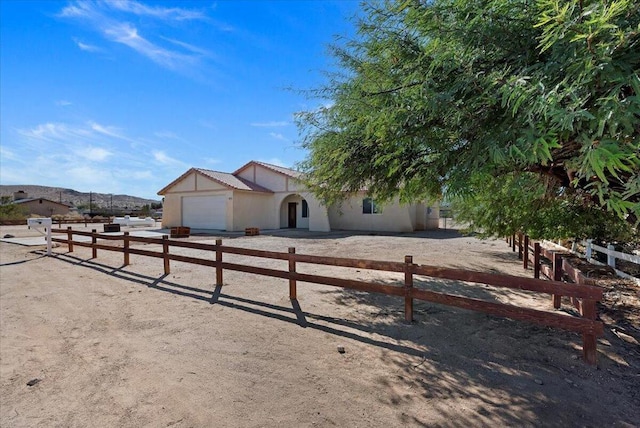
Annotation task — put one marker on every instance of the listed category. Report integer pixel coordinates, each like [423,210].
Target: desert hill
[78,199]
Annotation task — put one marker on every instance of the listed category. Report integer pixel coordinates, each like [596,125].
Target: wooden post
[165,254]
[70,239]
[589,343]
[557,276]
[519,246]
[218,262]
[536,260]
[525,254]
[408,285]
[589,349]
[293,292]
[126,248]
[94,241]
[513,242]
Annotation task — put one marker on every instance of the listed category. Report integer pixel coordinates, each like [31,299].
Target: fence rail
[588,326]
[555,267]
[612,255]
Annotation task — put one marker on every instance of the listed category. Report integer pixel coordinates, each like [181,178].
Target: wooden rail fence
[586,324]
[552,265]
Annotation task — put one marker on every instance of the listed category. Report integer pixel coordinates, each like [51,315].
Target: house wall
[186,184]
[45,208]
[394,217]
[266,178]
[432,215]
[301,223]
[192,185]
[318,219]
[252,209]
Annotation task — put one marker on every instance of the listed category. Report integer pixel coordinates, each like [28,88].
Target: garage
[204,212]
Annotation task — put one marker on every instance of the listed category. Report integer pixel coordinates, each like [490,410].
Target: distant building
[40,206]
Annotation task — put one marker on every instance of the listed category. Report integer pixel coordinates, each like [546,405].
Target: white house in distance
[272,197]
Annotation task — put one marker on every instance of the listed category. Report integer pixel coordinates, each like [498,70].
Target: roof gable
[232,181]
[279,169]
[223,178]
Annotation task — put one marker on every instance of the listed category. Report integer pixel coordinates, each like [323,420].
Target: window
[305,209]
[369,206]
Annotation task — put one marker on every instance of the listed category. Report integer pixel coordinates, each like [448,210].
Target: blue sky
[124,96]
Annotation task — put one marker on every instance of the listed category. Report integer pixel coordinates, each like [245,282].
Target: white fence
[612,255]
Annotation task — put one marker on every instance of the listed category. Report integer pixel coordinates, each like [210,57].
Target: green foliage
[432,95]
[13,212]
[490,208]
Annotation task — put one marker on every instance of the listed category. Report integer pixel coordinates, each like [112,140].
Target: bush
[13,212]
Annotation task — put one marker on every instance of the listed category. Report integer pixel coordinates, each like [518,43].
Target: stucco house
[40,206]
[272,197]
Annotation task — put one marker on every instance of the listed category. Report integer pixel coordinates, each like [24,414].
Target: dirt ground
[88,342]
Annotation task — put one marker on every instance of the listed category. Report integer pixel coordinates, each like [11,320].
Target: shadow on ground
[512,373]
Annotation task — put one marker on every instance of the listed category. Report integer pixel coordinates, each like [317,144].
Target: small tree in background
[13,212]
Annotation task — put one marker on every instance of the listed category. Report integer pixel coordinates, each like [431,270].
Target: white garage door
[204,212]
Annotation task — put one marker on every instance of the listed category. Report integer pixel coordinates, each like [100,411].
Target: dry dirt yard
[88,342]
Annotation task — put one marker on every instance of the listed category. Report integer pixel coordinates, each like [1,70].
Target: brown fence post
[408,285]
[293,292]
[126,248]
[557,276]
[513,242]
[589,349]
[165,254]
[525,254]
[536,260]
[218,262]
[94,241]
[519,246]
[70,239]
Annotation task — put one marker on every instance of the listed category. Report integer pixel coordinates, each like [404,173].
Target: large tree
[432,97]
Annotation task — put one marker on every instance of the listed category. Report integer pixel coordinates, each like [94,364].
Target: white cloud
[86,156]
[127,35]
[108,19]
[272,124]
[6,154]
[86,47]
[96,154]
[187,46]
[169,13]
[63,103]
[65,133]
[278,136]
[162,158]
[107,130]
[53,132]
[80,9]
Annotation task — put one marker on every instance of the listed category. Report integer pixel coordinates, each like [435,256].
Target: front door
[292,215]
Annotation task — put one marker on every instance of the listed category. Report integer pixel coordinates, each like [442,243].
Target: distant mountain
[75,198]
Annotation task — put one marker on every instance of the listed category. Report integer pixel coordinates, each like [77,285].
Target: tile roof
[22,201]
[280,169]
[232,181]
